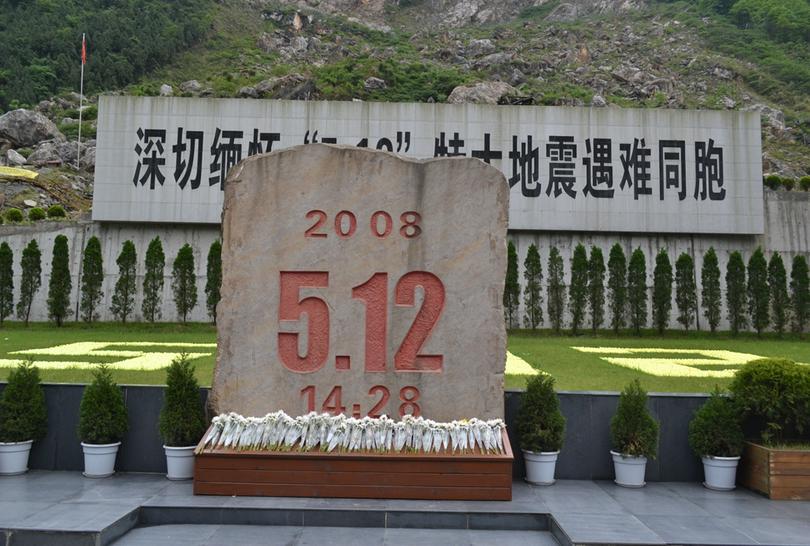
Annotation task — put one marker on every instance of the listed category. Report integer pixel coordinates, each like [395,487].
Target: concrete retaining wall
[584,456]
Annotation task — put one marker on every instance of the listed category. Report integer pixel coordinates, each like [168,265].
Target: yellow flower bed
[127,359]
[517,366]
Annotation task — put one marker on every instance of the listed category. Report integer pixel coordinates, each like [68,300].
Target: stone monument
[361,282]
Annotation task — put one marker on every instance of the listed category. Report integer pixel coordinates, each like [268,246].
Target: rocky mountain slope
[600,53]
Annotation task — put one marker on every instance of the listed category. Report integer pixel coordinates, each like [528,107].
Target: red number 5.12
[374,294]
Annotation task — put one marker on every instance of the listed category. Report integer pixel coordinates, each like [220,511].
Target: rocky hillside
[713,54]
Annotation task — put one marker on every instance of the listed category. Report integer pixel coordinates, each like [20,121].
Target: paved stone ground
[588,513]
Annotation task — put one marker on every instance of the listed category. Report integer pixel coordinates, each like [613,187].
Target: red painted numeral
[388,224]
[321,220]
[291,309]
[374,293]
[309,392]
[332,403]
[352,227]
[409,397]
[407,358]
[410,224]
[385,394]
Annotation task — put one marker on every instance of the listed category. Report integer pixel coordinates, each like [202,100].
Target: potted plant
[634,433]
[102,423]
[716,436]
[541,428]
[182,419]
[23,418]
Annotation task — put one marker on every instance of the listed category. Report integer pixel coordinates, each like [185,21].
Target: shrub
[799,293]
[780,301]
[30,280]
[511,289]
[153,280]
[540,424]
[758,292]
[56,211]
[578,289]
[772,181]
[685,289]
[23,413]
[617,286]
[633,430]
[788,183]
[182,419]
[92,279]
[716,431]
[36,214]
[532,295]
[555,291]
[774,395]
[637,290]
[60,284]
[662,291]
[102,412]
[184,281]
[6,281]
[596,287]
[804,183]
[14,215]
[736,298]
[123,299]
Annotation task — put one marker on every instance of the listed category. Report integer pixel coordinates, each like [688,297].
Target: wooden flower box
[781,474]
[431,476]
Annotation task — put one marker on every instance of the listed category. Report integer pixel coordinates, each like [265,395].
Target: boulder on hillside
[292,86]
[481,93]
[191,86]
[166,90]
[14,158]
[53,152]
[374,84]
[23,128]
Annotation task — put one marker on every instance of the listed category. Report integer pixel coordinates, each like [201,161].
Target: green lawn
[155,345]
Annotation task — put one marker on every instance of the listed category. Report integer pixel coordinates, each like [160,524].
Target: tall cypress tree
[92,279]
[213,279]
[60,283]
[596,287]
[511,289]
[578,289]
[31,265]
[662,290]
[123,299]
[685,290]
[555,291]
[532,294]
[736,299]
[184,281]
[799,293]
[710,288]
[6,281]
[780,302]
[154,264]
[637,290]
[617,286]
[758,293]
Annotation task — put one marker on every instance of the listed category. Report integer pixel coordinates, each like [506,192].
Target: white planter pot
[99,459]
[179,462]
[540,466]
[14,457]
[720,472]
[629,470]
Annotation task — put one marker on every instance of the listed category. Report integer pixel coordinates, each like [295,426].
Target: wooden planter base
[780,474]
[433,476]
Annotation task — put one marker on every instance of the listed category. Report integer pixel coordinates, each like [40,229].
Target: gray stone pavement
[91,511]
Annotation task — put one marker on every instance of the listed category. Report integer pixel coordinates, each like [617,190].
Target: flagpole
[81,100]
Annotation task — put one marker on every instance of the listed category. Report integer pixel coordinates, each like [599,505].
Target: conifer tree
[662,290]
[555,295]
[213,279]
[617,286]
[780,302]
[637,290]
[6,281]
[736,299]
[154,264]
[596,288]
[123,299]
[184,281]
[60,282]
[685,290]
[511,289]
[799,293]
[578,289]
[92,279]
[758,292]
[532,295]
[31,280]
[710,288]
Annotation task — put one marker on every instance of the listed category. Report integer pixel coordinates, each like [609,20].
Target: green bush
[182,419]
[774,396]
[788,183]
[716,430]
[36,214]
[102,412]
[14,216]
[633,430]
[540,424]
[804,183]
[772,181]
[23,413]
[56,211]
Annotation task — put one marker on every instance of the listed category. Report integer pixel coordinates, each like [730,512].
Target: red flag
[84,51]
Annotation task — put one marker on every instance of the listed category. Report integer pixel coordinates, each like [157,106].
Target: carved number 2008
[374,294]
